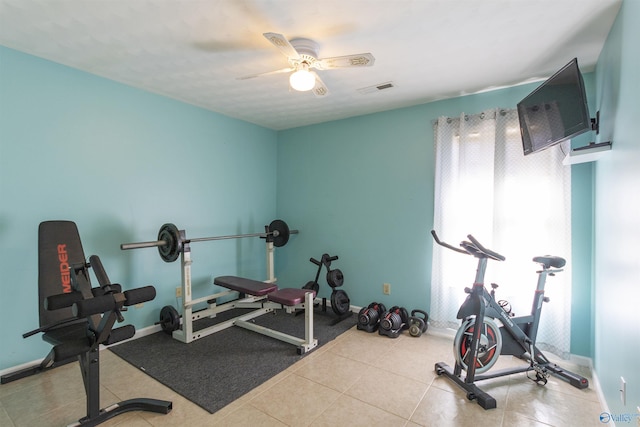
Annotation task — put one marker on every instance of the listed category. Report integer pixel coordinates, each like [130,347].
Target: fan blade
[279,41]
[320,90]
[357,60]
[251,76]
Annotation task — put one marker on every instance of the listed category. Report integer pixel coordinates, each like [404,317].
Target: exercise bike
[476,349]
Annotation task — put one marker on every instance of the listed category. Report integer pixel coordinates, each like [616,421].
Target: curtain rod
[482,115]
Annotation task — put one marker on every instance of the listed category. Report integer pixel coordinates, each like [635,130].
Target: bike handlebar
[470,248]
[488,252]
[446,245]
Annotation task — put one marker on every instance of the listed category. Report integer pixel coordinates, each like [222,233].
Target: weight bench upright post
[185,334]
[271,276]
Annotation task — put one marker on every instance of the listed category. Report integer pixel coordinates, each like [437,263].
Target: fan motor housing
[307,48]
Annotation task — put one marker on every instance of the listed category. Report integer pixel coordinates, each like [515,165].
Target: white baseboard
[581,360]
[595,384]
[441,332]
[20,367]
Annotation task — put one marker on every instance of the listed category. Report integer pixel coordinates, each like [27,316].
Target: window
[519,207]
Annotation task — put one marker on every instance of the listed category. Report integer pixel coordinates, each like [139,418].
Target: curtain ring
[449,120]
[482,115]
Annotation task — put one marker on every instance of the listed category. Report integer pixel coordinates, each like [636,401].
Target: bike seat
[549,261]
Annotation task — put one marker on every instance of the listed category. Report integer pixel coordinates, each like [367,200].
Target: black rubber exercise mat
[218,369]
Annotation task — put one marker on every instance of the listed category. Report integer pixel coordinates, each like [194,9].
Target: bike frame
[518,333]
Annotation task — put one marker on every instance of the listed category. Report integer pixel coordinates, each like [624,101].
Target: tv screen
[556,111]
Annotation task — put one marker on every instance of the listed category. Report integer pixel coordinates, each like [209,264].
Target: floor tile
[547,405]
[295,401]
[348,411]
[363,347]
[333,371]
[249,416]
[444,408]
[388,391]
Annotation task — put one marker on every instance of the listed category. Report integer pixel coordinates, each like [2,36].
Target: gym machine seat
[76,318]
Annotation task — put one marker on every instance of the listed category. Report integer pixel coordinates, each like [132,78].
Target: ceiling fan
[302,55]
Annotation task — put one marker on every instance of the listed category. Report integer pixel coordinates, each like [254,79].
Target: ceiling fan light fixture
[302,79]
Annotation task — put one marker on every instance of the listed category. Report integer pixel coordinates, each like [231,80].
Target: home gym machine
[77,319]
[340,303]
[261,296]
[476,349]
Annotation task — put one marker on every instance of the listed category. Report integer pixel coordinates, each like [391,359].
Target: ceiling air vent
[377,88]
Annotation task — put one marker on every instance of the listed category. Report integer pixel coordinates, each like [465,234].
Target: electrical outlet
[179,292]
[139,305]
[386,288]
[623,391]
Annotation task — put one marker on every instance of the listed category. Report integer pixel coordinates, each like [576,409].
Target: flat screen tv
[556,111]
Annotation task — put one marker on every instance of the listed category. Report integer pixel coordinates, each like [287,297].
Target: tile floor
[359,379]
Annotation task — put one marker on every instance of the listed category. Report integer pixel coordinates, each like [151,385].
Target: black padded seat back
[59,247]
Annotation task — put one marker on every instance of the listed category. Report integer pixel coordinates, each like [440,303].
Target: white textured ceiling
[194,50]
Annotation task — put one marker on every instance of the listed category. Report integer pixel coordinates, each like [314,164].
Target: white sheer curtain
[515,205]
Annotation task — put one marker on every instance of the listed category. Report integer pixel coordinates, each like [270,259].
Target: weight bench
[259,297]
[76,318]
[289,299]
[262,298]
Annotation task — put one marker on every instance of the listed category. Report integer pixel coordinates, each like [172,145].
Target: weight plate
[313,286]
[172,248]
[392,321]
[340,303]
[280,231]
[169,319]
[335,278]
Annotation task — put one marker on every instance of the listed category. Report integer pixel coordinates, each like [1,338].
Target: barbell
[171,241]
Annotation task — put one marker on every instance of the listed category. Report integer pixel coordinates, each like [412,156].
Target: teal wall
[617,214]
[363,190]
[120,162]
